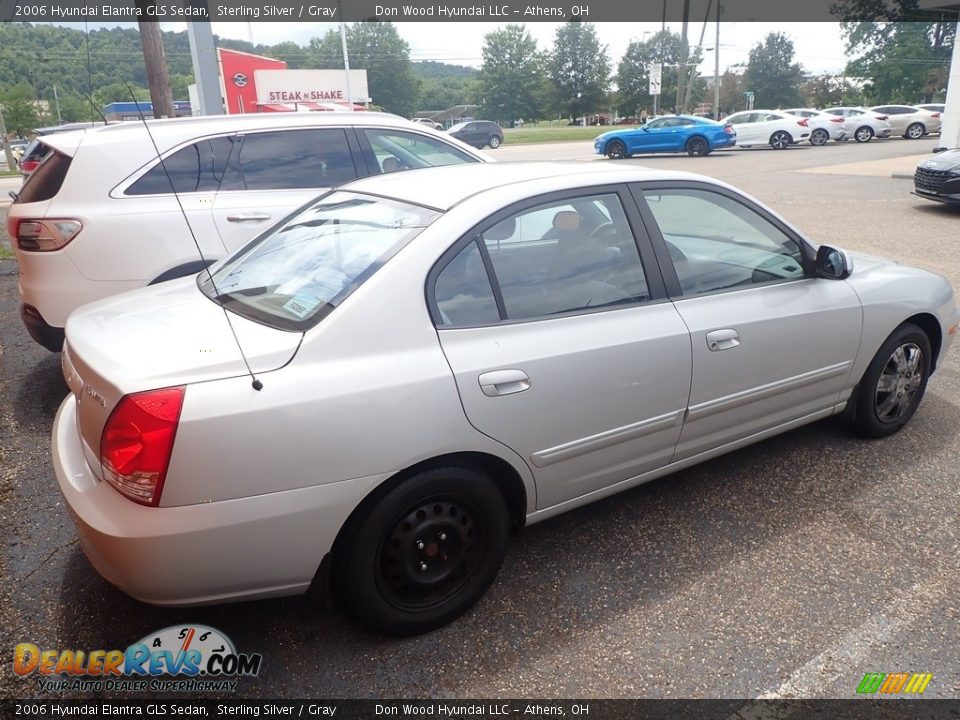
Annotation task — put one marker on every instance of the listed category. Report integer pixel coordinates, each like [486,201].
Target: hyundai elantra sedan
[373,395]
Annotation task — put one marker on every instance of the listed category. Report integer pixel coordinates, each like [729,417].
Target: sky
[819,46]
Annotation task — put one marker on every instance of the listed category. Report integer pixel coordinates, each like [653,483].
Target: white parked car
[427,122]
[99,215]
[863,124]
[932,107]
[775,128]
[909,121]
[823,126]
[445,355]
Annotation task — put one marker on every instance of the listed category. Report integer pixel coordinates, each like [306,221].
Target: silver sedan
[376,393]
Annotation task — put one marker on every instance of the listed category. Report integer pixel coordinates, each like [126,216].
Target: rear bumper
[254,547]
[40,330]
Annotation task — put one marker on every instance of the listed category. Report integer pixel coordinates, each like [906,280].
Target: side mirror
[644,128]
[833,264]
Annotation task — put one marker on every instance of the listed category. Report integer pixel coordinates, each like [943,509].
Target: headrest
[567,220]
[390,164]
[502,230]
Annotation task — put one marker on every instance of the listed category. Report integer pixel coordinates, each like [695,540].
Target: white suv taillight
[137,442]
[43,235]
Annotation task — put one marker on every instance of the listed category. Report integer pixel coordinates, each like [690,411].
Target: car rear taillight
[42,235]
[802,122]
[836,119]
[882,117]
[936,114]
[728,129]
[28,166]
[137,442]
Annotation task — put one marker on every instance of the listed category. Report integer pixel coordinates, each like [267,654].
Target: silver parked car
[445,355]
[909,121]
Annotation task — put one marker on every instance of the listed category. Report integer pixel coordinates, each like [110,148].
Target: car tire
[616,150]
[424,552]
[495,142]
[915,131]
[863,134]
[697,146]
[894,383]
[819,137]
[780,140]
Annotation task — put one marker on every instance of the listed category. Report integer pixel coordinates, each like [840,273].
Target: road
[789,568]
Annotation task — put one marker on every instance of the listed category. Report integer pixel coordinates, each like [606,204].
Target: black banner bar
[513,11]
[859,709]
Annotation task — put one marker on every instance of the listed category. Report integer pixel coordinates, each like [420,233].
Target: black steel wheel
[616,150]
[697,146]
[425,552]
[894,383]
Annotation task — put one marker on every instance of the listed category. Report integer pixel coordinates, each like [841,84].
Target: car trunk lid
[150,339]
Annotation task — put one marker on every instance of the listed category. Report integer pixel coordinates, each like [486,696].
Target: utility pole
[346,63]
[682,72]
[11,164]
[56,100]
[716,69]
[156,61]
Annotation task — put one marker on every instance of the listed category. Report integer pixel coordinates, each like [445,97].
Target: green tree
[19,110]
[633,73]
[902,62]
[510,74]
[731,93]
[823,91]
[772,75]
[377,48]
[579,68]
[902,52]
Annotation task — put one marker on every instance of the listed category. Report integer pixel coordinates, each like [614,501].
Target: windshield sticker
[301,304]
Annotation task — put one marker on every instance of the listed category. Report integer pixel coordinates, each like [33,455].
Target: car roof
[444,187]
[170,132]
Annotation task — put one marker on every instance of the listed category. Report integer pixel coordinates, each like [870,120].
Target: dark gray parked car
[478,133]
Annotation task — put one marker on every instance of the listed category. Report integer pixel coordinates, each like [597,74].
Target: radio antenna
[257,385]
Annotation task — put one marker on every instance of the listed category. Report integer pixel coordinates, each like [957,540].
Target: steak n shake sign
[292,86]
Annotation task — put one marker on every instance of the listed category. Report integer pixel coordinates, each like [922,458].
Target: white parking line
[814,676]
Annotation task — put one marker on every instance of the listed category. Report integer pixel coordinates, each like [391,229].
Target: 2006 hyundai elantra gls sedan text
[447,354]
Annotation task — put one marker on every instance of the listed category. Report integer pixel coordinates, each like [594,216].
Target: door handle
[722,339]
[503,382]
[248,217]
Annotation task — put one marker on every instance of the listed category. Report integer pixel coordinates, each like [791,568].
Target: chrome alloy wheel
[901,378]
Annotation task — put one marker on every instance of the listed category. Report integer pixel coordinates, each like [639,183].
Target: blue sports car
[670,133]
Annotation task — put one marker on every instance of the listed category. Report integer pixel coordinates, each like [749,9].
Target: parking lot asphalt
[786,569]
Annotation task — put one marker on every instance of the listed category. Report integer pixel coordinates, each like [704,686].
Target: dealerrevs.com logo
[185,658]
[894,683]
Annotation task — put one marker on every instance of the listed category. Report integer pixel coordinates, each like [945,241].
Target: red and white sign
[237,78]
[310,86]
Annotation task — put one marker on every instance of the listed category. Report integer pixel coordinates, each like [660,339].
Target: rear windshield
[45,182]
[35,151]
[297,273]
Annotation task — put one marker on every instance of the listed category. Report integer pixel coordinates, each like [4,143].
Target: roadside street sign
[656,72]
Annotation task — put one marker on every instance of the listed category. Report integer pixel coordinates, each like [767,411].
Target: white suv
[99,215]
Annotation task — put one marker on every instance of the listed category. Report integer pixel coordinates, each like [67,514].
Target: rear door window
[295,159]
[198,167]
